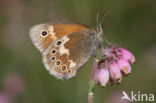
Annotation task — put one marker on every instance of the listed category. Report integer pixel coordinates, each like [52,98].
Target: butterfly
[66,47]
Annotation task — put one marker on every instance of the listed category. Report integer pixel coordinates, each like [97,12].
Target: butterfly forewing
[43,35]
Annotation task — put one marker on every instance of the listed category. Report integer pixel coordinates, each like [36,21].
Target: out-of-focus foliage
[131,23]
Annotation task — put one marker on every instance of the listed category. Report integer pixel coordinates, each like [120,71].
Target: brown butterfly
[66,47]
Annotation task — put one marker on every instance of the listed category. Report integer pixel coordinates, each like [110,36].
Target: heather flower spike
[109,66]
[115,61]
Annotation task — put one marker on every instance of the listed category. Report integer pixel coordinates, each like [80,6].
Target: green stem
[91,93]
[91,86]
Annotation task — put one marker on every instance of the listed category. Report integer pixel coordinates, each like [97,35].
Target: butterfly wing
[65,47]
[74,51]
[43,35]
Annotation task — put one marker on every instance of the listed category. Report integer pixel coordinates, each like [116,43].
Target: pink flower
[115,72]
[124,66]
[115,61]
[103,76]
[128,55]
[14,84]
[5,98]
[96,71]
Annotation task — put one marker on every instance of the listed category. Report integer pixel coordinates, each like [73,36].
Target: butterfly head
[99,30]
[99,33]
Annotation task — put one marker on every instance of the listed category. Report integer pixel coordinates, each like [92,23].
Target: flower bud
[128,55]
[124,66]
[96,75]
[115,72]
[95,70]
[103,76]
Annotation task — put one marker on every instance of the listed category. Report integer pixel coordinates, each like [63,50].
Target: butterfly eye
[58,63]
[44,33]
[64,67]
[59,42]
[53,58]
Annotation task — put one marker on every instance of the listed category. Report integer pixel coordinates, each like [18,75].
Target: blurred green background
[131,23]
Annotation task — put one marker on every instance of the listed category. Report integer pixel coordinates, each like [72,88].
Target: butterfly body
[65,47]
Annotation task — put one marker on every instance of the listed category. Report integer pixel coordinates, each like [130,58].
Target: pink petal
[124,66]
[103,76]
[127,55]
[95,70]
[96,75]
[115,72]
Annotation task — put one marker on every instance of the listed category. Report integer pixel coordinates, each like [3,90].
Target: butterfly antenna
[105,15]
[97,19]
[99,26]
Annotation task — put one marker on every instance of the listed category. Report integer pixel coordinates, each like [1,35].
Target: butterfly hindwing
[69,55]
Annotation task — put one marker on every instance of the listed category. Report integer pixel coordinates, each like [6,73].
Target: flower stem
[90,97]
[91,85]
[91,92]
